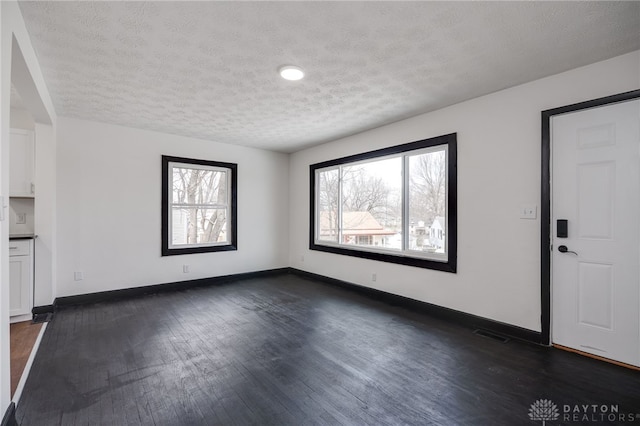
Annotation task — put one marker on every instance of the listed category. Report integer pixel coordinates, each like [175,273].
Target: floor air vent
[491,335]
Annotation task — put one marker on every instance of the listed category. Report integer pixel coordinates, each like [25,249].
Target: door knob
[564,249]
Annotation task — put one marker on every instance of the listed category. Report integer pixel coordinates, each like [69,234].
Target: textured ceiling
[209,69]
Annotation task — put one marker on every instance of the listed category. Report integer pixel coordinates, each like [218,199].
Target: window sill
[196,249]
[448,266]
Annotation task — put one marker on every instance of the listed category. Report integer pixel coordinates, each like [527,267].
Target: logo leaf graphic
[543,409]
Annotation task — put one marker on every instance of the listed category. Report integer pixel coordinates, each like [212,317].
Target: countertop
[22,236]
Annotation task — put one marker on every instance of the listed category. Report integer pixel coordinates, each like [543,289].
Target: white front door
[596,268]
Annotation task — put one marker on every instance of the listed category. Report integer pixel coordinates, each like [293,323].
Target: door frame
[545,210]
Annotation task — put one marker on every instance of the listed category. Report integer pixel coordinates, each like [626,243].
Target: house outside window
[437,239]
[199,211]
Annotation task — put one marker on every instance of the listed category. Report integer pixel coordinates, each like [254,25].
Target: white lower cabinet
[20,278]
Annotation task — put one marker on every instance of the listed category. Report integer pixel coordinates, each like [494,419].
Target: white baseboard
[20,318]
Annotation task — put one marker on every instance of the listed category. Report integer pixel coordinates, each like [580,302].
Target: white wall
[45,215]
[18,64]
[5,115]
[109,213]
[22,119]
[498,171]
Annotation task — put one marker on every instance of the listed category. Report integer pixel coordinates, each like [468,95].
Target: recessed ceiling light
[291,72]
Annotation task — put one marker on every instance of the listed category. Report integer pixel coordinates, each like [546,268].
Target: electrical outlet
[185,269]
[78,276]
[302,258]
[21,218]
[374,277]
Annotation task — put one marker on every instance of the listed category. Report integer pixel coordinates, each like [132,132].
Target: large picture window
[198,206]
[396,204]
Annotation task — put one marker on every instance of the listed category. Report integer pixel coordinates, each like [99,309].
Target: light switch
[529,211]
[21,218]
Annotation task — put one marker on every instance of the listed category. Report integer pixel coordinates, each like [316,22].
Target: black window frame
[450,265]
[166,196]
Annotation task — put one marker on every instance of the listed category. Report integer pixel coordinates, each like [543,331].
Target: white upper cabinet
[22,164]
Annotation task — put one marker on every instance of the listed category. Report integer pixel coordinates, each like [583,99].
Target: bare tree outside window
[371,202]
[199,212]
[365,190]
[199,205]
[328,190]
[427,198]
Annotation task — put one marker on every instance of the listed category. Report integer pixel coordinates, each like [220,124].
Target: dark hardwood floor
[287,350]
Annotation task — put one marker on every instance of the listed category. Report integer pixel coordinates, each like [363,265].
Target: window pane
[199,186]
[328,205]
[198,226]
[372,204]
[427,201]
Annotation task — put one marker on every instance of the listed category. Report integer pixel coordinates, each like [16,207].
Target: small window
[198,206]
[396,205]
